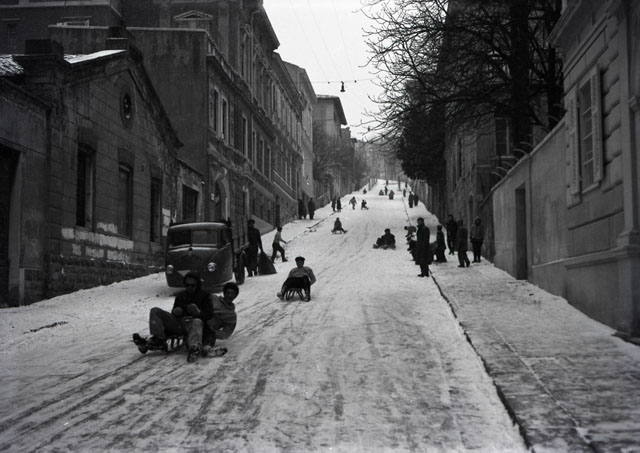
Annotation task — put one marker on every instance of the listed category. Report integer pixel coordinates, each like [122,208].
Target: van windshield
[184,238]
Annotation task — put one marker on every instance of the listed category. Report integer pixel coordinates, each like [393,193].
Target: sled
[384,247]
[338,231]
[174,343]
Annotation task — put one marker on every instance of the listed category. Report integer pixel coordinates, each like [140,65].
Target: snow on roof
[92,56]
[8,67]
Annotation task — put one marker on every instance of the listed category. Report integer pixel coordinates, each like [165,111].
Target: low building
[90,159]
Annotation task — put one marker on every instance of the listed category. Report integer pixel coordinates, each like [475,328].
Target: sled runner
[384,247]
[173,343]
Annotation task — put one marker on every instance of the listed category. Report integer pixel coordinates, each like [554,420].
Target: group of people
[198,316]
[308,208]
[458,238]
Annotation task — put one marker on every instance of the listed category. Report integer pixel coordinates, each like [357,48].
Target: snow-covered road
[375,362]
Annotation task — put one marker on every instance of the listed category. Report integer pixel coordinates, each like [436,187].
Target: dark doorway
[8,163]
[521,234]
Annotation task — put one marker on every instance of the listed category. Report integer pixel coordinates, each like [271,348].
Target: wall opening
[521,266]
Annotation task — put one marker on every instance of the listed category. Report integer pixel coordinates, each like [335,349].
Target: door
[521,234]
[8,163]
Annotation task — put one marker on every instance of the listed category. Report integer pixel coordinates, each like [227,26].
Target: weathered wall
[23,150]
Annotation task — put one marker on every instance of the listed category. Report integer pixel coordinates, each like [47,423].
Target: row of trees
[444,64]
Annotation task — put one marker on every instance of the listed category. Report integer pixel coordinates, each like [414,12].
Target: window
[155,214]
[189,204]
[261,156]
[85,187]
[245,137]
[125,200]
[585,111]
[503,144]
[584,135]
[215,107]
[225,120]
[11,35]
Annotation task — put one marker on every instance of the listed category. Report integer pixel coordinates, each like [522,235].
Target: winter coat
[303,271]
[387,239]
[338,205]
[441,245]
[462,240]
[452,229]
[476,233]
[312,207]
[224,319]
[337,225]
[255,241]
[423,249]
[200,299]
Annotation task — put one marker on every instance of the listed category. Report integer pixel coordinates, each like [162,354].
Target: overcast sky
[325,37]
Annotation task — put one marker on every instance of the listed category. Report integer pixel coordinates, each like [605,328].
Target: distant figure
[337,226]
[312,208]
[391,193]
[452,232]
[277,239]
[411,240]
[353,202]
[476,234]
[333,204]
[386,241]
[441,246]
[404,193]
[364,191]
[386,190]
[423,255]
[302,210]
[255,243]
[411,199]
[338,205]
[462,240]
[415,200]
[363,205]
[381,192]
[300,276]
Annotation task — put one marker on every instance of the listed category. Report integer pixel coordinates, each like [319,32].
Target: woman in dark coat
[462,245]
[423,254]
[441,246]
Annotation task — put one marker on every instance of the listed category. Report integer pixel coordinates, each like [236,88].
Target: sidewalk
[568,383]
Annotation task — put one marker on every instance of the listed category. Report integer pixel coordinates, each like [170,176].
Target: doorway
[8,166]
[521,270]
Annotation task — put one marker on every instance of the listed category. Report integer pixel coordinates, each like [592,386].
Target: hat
[299,258]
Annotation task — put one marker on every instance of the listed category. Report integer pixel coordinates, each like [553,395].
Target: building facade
[569,213]
[90,159]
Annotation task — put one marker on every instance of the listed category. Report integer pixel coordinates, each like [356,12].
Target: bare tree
[467,59]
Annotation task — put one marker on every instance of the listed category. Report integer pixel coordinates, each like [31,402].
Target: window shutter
[596,121]
[573,147]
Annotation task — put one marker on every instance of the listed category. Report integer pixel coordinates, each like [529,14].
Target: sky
[325,37]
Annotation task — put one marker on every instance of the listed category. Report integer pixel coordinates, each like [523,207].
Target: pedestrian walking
[476,235]
[338,205]
[423,253]
[462,245]
[404,193]
[311,206]
[452,232]
[411,199]
[277,239]
[386,190]
[353,202]
[441,246]
[333,204]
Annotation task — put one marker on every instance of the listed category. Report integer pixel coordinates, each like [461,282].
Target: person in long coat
[476,234]
[462,245]
[411,199]
[423,253]
[452,233]
[338,205]
[255,243]
[441,246]
[312,208]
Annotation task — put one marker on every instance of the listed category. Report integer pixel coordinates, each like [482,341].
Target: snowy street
[375,362]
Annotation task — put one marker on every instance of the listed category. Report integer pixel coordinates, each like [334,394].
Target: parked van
[214,249]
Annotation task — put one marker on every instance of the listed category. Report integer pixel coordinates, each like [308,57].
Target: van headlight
[169,269]
[211,267]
